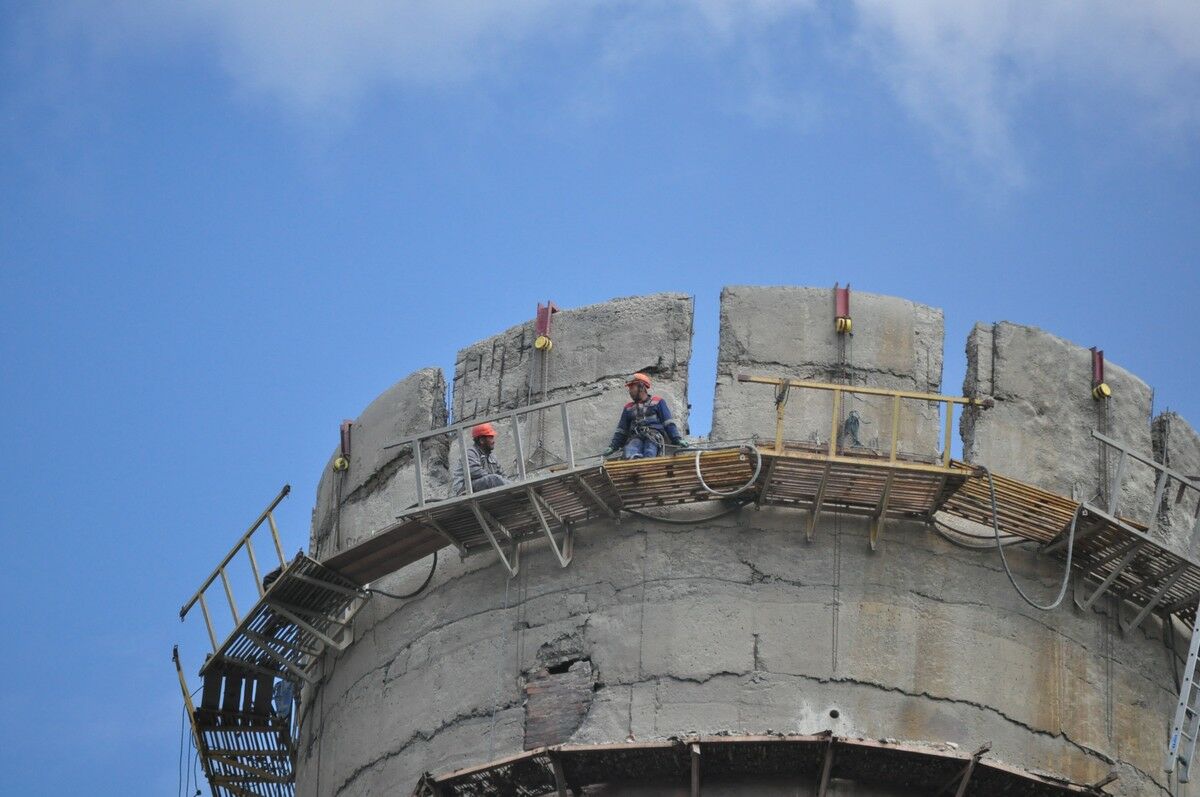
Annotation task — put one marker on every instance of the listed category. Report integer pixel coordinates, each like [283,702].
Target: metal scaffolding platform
[245,741]
[1112,555]
[245,746]
[309,607]
[687,765]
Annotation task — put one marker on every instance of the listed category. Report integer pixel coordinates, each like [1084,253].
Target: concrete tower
[737,629]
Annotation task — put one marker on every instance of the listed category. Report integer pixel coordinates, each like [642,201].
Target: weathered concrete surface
[1177,446]
[789,332]
[732,625]
[1040,430]
[595,348]
[379,483]
[738,626]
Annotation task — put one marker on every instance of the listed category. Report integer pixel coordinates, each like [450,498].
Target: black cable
[1008,572]
[687,522]
[415,592]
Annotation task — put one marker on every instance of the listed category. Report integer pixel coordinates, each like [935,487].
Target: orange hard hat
[639,377]
[482,430]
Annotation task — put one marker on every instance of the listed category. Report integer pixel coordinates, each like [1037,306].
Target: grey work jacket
[481,464]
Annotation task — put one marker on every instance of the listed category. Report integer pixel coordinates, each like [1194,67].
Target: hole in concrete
[563,666]
[833,712]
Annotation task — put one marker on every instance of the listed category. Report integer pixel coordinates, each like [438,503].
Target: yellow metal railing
[783,386]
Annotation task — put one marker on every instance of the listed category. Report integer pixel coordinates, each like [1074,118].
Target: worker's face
[635,391]
[487,442]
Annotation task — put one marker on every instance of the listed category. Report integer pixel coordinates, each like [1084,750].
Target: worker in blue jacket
[646,423]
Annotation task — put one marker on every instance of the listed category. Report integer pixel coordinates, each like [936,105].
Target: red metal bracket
[344,432]
[544,313]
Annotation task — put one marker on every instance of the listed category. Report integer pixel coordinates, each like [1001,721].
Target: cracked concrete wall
[1040,429]
[737,626]
[789,332]
[596,347]
[1177,446]
[379,483]
[733,625]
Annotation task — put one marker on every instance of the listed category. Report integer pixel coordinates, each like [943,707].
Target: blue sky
[228,225]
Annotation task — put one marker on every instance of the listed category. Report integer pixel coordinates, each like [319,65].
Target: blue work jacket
[648,418]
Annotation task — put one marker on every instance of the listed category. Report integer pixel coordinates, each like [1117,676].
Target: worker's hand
[608,452]
[683,443]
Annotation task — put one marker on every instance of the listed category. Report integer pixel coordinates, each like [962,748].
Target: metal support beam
[303,625]
[564,554]
[826,770]
[511,566]
[560,780]
[1176,574]
[963,778]
[695,748]
[429,521]
[766,483]
[817,502]
[881,511]
[263,645]
[587,488]
[1104,585]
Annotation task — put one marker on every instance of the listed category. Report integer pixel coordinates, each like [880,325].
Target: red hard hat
[639,377]
[482,430]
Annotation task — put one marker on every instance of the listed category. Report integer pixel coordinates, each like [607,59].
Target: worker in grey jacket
[485,470]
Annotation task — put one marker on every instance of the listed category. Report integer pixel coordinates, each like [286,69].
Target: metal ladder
[1186,726]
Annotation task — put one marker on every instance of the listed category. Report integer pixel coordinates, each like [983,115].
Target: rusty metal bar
[895,428]
[837,411]
[949,434]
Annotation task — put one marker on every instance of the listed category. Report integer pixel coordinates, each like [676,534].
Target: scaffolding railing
[783,387]
[836,455]
[221,571]
[459,433]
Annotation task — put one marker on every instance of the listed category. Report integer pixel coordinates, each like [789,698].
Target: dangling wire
[1008,572]
[414,593]
[729,493]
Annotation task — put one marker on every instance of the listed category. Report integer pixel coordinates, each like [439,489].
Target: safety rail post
[895,428]
[837,411]
[466,467]
[229,596]
[516,429]
[949,436]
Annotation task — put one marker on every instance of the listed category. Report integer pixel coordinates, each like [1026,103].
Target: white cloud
[964,69]
[966,72]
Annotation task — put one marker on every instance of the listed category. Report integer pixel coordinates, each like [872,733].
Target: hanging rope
[729,493]
[1004,561]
